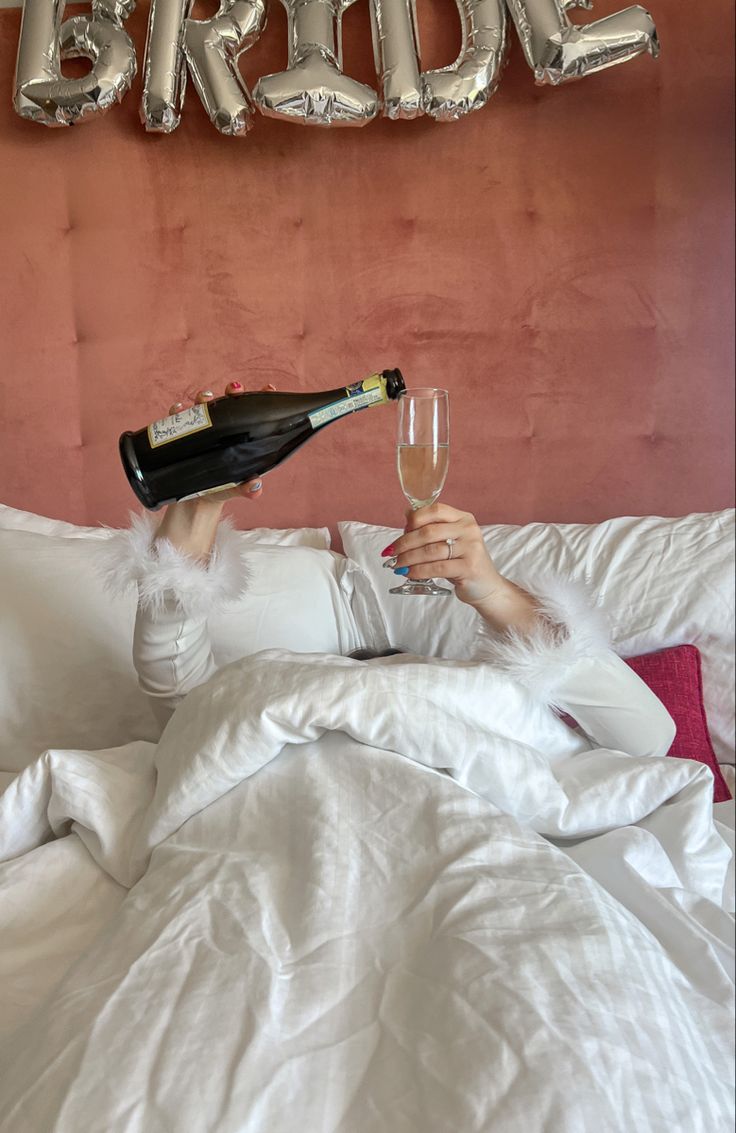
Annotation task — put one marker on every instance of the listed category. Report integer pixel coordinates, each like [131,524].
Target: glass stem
[415,507]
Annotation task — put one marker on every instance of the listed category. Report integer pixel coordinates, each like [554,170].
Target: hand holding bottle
[191,525]
[251,489]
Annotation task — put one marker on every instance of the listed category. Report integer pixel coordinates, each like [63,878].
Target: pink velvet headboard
[561,261]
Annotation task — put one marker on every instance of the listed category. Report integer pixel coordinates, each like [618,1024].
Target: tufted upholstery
[560,260]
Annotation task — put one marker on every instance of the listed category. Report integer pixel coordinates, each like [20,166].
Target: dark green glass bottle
[229,440]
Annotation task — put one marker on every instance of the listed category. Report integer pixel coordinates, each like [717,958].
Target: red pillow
[674,676]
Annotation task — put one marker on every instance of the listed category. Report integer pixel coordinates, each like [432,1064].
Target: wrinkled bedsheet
[386,898]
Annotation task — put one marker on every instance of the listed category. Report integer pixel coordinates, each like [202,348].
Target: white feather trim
[571,626]
[163,572]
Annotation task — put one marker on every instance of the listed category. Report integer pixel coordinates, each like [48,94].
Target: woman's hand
[423,552]
[251,489]
[191,525]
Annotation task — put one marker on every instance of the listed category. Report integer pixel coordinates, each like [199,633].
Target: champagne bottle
[222,443]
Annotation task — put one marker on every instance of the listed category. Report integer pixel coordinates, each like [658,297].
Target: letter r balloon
[211,48]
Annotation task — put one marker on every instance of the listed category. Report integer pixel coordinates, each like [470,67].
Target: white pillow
[15,520]
[298,598]
[66,672]
[661,581]
[11,519]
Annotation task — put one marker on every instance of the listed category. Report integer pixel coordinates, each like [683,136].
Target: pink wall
[561,261]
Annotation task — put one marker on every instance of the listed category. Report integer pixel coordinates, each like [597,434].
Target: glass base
[420,586]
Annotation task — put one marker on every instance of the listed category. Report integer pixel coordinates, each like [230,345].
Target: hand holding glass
[423,459]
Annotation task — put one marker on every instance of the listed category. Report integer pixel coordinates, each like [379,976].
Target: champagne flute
[423,457]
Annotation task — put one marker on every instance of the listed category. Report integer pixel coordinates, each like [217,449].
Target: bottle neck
[360,395]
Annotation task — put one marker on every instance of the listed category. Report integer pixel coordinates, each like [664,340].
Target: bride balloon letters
[313,90]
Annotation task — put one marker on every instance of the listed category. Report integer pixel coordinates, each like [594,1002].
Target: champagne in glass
[423,457]
[422,472]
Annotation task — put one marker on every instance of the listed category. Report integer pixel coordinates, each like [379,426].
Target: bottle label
[183,424]
[372,391]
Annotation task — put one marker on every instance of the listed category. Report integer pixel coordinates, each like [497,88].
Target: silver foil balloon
[558,50]
[42,94]
[117,10]
[396,50]
[313,89]
[468,83]
[212,48]
[164,66]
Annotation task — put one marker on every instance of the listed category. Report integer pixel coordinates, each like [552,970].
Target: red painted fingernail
[235,385]
[387,551]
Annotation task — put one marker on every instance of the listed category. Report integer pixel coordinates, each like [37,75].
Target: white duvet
[287,917]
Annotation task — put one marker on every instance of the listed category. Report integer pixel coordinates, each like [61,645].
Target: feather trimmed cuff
[164,573]
[571,626]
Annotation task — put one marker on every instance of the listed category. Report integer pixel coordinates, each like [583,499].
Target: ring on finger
[450,544]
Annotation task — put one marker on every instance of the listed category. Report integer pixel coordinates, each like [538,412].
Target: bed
[280,912]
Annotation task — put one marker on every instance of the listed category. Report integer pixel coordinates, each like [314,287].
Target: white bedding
[291,918]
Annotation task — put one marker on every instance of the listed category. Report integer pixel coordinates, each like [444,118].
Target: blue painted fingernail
[401,570]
